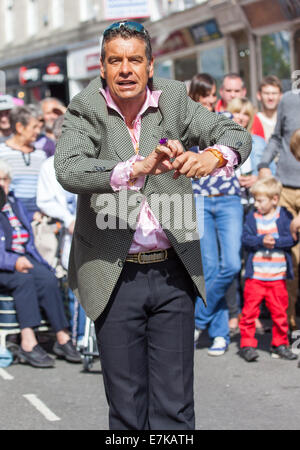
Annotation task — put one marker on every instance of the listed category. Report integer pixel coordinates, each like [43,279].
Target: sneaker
[67,351]
[36,358]
[219,347]
[282,351]
[197,334]
[249,354]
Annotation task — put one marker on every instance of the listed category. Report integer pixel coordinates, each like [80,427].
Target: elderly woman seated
[31,281]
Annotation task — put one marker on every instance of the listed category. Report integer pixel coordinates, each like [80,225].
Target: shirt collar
[151,101]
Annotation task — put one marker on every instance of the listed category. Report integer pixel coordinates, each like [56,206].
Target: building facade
[51,47]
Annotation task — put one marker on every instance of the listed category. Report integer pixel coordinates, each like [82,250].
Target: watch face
[2,198]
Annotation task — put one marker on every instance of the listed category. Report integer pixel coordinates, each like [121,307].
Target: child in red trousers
[268,241]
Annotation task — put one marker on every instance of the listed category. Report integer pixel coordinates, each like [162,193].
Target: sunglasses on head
[134,26]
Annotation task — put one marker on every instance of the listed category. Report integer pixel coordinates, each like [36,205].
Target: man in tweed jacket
[137,279]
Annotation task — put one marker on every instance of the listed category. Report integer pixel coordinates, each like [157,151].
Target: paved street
[229,394]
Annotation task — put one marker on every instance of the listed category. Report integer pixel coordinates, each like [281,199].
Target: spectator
[220,245]
[24,272]
[203,90]
[19,152]
[243,114]
[51,109]
[269,95]
[288,169]
[268,240]
[57,203]
[6,104]
[232,87]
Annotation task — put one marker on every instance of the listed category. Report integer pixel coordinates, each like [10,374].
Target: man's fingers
[176,148]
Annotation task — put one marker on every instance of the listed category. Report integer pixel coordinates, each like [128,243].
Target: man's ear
[258,96]
[102,71]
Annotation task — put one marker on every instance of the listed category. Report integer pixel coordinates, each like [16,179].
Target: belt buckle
[163,258]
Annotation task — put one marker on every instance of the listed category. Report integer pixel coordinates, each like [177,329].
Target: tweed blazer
[95,139]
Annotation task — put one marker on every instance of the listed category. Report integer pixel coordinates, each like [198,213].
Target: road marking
[41,407]
[5,375]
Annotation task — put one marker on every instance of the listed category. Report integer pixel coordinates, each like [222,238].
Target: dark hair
[201,86]
[126,33]
[21,114]
[270,80]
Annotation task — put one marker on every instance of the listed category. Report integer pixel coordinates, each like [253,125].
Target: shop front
[37,79]
[182,53]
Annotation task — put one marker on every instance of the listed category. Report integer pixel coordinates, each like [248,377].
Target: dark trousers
[34,290]
[146,344]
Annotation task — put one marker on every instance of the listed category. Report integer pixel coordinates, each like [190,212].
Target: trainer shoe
[218,347]
[197,334]
[282,351]
[67,351]
[249,354]
[36,358]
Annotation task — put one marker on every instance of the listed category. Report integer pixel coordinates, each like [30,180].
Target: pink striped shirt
[149,235]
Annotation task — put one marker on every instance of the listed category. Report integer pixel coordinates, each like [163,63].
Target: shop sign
[187,37]
[26,75]
[92,61]
[58,78]
[52,69]
[205,31]
[53,74]
[175,41]
[121,9]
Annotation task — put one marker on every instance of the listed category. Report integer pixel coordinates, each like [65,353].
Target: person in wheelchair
[31,281]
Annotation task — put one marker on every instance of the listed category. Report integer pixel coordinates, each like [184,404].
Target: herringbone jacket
[94,140]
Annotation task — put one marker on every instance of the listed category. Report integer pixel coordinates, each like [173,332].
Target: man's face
[232,88]
[4,120]
[269,96]
[50,111]
[126,68]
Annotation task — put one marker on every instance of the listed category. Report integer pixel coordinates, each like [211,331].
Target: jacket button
[120,263]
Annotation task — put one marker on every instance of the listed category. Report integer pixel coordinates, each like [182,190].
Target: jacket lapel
[151,131]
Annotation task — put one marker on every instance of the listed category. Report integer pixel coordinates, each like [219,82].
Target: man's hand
[37,216]
[295,227]
[269,241]
[247,181]
[195,165]
[157,163]
[264,173]
[23,264]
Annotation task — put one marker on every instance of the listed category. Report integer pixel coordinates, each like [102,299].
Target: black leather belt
[153,256]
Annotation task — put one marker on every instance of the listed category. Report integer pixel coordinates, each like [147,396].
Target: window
[32,17]
[212,61]
[87,11]
[58,13]
[185,68]
[8,20]
[275,52]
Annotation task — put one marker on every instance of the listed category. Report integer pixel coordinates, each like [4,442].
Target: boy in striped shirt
[267,238]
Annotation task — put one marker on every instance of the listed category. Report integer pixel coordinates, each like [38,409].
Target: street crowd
[250,250]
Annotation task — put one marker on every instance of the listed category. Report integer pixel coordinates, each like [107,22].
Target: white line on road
[41,407]
[5,375]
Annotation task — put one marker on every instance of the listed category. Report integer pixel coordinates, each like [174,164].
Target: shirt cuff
[120,176]
[232,159]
